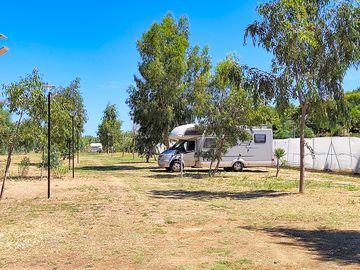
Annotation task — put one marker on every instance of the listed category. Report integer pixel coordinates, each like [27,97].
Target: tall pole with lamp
[72,114]
[3,49]
[49,87]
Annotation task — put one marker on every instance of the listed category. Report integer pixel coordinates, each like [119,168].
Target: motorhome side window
[209,142]
[259,138]
[190,146]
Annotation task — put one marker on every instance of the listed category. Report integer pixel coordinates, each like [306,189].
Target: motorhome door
[188,152]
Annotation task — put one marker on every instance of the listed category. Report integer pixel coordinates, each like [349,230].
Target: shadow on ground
[331,245]
[194,173]
[27,178]
[207,195]
[114,168]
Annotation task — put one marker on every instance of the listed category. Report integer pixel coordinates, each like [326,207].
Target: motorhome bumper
[164,164]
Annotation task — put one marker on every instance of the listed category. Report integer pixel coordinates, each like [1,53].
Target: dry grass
[120,213]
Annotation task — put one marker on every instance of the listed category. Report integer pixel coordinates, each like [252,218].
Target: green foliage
[24,166]
[313,44]
[86,140]
[109,130]
[65,103]
[227,106]
[55,158]
[279,153]
[170,75]
[353,103]
[126,142]
[5,127]
[60,171]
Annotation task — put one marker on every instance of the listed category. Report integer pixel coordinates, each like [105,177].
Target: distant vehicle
[96,148]
[256,152]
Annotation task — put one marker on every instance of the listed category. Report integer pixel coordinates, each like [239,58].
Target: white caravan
[191,144]
[96,147]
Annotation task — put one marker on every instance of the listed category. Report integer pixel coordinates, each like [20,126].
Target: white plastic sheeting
[324,153]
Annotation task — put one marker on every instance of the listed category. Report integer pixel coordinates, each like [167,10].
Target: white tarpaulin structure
[324,153]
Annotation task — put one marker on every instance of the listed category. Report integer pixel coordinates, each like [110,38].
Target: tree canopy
[313,44]
[109,130]
[170,72]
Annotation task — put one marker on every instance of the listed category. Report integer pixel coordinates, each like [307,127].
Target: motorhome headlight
[165,157]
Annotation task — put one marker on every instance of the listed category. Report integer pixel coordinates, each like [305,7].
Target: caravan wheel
[237,166]
[175,166]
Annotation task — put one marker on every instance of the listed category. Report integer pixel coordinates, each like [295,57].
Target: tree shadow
[113,168]
[177,175]
[331,245]
[255,171]
[27,178]
[208,195]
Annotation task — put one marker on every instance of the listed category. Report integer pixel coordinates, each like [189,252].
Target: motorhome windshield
[177,145]
[184,146]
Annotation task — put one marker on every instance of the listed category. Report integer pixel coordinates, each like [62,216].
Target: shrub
[60,171]
[279,154]
[55,159]
[24,167]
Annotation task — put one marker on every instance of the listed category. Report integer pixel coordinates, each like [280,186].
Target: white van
[255,152]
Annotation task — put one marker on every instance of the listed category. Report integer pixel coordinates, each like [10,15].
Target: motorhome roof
[189,132]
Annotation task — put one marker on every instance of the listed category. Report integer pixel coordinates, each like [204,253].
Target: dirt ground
[120,213]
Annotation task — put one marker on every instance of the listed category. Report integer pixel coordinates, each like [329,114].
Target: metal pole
[69,144]
[73,148]
[181,164]
[49,142]
[78,147]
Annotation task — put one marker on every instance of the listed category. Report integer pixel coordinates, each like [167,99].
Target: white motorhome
[191,144]
[96,147]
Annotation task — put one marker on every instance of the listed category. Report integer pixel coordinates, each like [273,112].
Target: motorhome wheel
[175,166]
[237,166]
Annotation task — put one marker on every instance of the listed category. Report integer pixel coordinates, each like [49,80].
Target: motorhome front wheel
[237,167]
[175,166]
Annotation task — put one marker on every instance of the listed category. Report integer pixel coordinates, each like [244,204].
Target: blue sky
[96,41]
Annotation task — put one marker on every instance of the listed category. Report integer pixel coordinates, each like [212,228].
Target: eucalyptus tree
[170,72]
[227,106]
[313,44]
[109,130]
[353,103]
[5,127]
[67,102]
[24,99]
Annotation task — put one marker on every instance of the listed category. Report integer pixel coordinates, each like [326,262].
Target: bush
[24,167]
[55,159]
[60,171]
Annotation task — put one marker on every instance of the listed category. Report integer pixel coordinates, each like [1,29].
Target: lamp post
[3,49]
[72,114]
[49,87]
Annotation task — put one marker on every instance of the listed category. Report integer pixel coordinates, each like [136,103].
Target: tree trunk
[218,156]
[8,163]
[42,161]
[10,151]
[277,167]
[302,148]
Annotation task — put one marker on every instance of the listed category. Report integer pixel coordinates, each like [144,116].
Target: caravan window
[259,138]
[190,146]
[209,142]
